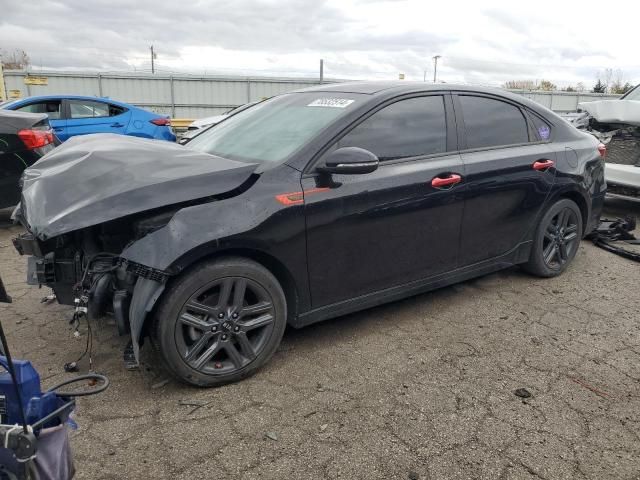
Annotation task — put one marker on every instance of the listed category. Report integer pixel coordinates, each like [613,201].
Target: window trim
[78,100]
[451,139]
[462,133]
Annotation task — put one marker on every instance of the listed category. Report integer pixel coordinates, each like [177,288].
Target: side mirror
[350,160]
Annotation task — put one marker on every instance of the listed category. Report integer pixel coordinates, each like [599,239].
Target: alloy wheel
[224,325]
[560,238]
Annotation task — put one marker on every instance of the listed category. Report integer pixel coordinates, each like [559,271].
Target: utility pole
[435,66]
[153,57]
[321,70]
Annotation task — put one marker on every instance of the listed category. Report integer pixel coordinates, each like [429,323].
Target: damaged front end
[84,269]
[616,124]
[94,197]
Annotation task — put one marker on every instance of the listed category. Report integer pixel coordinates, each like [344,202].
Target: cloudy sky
[486,42]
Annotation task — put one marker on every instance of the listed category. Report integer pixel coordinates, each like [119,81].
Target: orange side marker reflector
[297,198]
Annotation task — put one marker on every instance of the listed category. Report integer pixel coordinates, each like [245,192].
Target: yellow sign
[29,80]
[14,94]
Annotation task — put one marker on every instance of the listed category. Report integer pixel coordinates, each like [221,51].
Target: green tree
[599,87]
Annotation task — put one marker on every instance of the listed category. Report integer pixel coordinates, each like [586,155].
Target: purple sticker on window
[544,132]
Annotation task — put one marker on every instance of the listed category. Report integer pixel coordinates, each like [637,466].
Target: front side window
[408,128]
[492,123]
[50,107]
[272,130]
[88,109]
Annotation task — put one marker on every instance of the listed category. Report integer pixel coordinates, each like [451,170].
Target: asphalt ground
[417,389]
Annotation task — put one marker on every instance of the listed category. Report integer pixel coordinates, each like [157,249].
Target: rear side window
[408,128]
[492,123]
[89,109]
[50,107]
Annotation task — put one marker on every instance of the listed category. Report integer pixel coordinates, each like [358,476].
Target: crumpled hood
[92,179]
[613,111]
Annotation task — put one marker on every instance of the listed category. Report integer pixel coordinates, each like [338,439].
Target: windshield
[633,94]
[273,130]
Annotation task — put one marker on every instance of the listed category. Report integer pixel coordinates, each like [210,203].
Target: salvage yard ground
[422,388]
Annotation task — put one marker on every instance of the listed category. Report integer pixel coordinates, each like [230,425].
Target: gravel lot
[422,388]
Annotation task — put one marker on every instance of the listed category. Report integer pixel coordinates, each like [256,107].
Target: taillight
[35,138]
[162,122]
[602,150]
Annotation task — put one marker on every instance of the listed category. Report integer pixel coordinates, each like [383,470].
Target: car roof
[401,87]
[70,97]
[398,86]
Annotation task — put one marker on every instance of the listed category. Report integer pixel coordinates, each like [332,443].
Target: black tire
[208,336]
[556,240]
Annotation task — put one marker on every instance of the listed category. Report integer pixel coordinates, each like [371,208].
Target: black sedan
[24,138]
[307,206]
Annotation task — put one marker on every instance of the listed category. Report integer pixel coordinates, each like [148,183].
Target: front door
[370,232]
[507,182]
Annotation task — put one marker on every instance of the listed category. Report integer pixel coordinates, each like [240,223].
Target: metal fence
[191,96]
[181,96]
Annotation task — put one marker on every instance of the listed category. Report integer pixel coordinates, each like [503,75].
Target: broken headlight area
[84,269]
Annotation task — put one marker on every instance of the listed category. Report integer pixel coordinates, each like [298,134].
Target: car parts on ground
[611,235]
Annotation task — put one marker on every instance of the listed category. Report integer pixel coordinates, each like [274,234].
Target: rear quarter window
[492,123]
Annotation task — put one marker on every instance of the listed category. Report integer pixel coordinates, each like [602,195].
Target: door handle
[117,125]
[57,129]
[448,181]
[543,164]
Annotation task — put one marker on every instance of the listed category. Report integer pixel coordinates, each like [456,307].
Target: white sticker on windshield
[331,102]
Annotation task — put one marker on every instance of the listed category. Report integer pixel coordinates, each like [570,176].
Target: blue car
[72,115]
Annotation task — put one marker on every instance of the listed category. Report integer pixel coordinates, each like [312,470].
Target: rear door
[370,232]
[92,116]
[505,186]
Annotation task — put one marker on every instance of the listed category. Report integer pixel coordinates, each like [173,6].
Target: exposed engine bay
[616,123]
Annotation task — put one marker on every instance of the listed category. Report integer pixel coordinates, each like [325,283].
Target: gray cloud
[116,34]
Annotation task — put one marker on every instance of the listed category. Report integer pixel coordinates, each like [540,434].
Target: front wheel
[556,239]
[220,322]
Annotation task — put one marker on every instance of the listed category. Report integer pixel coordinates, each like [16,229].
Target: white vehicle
[616,123]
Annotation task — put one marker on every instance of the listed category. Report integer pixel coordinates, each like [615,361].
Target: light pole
[435,66]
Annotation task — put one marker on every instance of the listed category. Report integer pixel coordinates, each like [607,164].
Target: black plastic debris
[611,233]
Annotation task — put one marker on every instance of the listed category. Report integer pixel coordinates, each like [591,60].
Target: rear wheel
[220,322]
[556,240]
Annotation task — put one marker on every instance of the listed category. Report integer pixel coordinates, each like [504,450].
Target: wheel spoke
[225,293]
[549,235]
[550,252]
[563,252]
[239,290]
[193,321]
[234,354]
[570,233]
[201,308]
[245,345]
[197,347]
[207,355]
[255,309]
[563,219]
[257,322]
